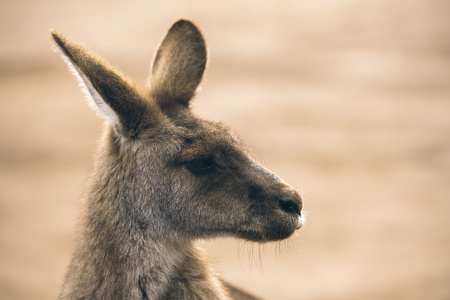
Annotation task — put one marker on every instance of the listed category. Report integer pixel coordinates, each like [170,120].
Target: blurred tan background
[348,100]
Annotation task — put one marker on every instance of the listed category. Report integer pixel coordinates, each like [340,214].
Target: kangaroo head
[171,171]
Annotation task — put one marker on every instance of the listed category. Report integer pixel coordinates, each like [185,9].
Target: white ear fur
[94,99]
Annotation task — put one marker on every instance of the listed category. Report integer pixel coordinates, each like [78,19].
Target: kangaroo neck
[121,255]
[117,260]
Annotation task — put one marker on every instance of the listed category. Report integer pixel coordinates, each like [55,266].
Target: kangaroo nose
[289,205]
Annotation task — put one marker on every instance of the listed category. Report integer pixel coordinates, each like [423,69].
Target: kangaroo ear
[108,92]
[178,66]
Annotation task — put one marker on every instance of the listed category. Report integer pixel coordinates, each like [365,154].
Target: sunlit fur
[163,179]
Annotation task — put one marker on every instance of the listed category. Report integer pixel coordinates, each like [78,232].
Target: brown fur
[163,179]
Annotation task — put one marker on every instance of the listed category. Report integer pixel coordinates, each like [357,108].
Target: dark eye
[201,165]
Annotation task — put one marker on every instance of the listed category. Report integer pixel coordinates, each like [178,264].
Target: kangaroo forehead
[206,138]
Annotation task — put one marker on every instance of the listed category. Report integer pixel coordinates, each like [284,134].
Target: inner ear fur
[178,66]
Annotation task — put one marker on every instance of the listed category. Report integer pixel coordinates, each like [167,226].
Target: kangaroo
[163,179]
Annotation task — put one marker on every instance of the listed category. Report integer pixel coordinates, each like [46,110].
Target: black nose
[289,205]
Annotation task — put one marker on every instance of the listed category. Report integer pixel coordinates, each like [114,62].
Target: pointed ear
[178,66]
[108,92]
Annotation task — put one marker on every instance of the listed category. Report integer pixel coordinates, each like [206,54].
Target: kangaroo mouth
[265,236]
[274,231]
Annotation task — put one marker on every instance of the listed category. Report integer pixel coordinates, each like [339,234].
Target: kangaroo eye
[200,165]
